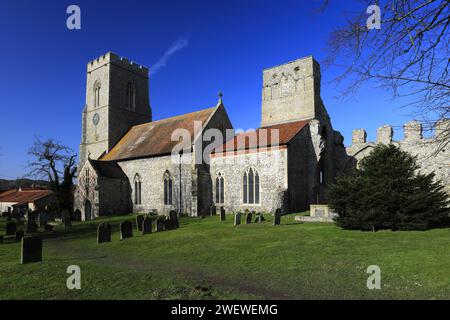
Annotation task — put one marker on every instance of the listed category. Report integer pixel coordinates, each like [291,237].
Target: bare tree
[409,55]
[54,161]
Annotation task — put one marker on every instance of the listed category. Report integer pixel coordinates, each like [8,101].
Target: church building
[132,164]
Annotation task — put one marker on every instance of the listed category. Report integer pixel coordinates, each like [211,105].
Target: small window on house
[220,192]
[168,186]
[251,187]
[137,189]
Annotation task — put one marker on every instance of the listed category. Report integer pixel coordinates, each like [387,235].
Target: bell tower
[117,98]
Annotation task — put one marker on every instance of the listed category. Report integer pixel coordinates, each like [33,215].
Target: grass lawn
[208,259]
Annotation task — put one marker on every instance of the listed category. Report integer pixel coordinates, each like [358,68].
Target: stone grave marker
[11,228]
[212,211]
[104,232]
[139,220]
[65,215]
[277,217]
[249,218]
[147,225]
[259,218]
[160,224]
[126,230]
[237,219]
[31,249]
[174,219]
[222,214]
[43,218]
[32,227]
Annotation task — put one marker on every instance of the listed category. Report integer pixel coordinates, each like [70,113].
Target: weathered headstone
[65,215]
[126,230]
[237,219]
[43,218]
[48,227]
[147,225]
[31,249]
[222,214]
[77,215]
[32,227]
[1,239]
[212,210]
[19,235]
[160,224]
[139,220]
[174,220]
[249,218]
[277,217]
[11,228]
[104,232]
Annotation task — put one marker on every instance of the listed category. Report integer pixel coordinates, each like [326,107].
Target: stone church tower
[116,99]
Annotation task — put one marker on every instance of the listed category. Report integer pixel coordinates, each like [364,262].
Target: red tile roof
[262,137]
[154,138]
[24,195]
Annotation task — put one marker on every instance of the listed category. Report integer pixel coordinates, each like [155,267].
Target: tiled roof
[24,195]
[108,169]
[257,139]
[154,138]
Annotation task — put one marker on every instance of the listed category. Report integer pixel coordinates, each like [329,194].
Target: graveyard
[213,258]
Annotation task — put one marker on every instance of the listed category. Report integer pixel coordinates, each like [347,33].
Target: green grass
[208,259]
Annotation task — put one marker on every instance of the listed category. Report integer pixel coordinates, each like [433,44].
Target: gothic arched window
[220,191]
[130,96]
[97,87]
[137,189]
[250,187]
[168,185]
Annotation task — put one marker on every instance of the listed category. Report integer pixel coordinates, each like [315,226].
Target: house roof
[154,138]
[108,169]
[262,137]
[28,195]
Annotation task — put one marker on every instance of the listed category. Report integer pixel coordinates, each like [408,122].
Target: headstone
[139,220]
[11,228]
[259,218]
[65,215]
[104,232]
[212,210]
[237,219]
[77,215]
[32,227]
[126,230]
[222,214]
[31,249]
[48,227]
[43,218]
[174,219]
[19,235]
[159,224]
[1,239]
[147,225]
[249,218]
[277,217]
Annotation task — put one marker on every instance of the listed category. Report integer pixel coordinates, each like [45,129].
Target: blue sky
[227,44]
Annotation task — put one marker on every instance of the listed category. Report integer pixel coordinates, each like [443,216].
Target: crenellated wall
[429,155]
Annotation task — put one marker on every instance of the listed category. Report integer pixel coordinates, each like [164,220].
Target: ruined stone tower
[291,92]
[116,99]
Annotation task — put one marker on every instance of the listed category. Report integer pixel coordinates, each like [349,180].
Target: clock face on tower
[96,119]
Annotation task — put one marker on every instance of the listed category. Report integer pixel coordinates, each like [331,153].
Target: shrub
[389,192]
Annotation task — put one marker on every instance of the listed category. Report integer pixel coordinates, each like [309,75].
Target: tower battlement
[113,58]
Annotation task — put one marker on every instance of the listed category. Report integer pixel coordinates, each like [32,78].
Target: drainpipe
[179,169]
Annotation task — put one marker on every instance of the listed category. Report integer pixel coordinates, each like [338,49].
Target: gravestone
[249,218]
[77,215]
[48,227]
[139,220]
[11,228]
[31,249]
[222,214]
[19,235]
[32,227]
[174,219]
[237,219]
[212,210]
[65,215]
[160,224]
[259,218]
[147,225]
[126,230]
[1,239]
[277,217]
[104,232]
[43,218]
